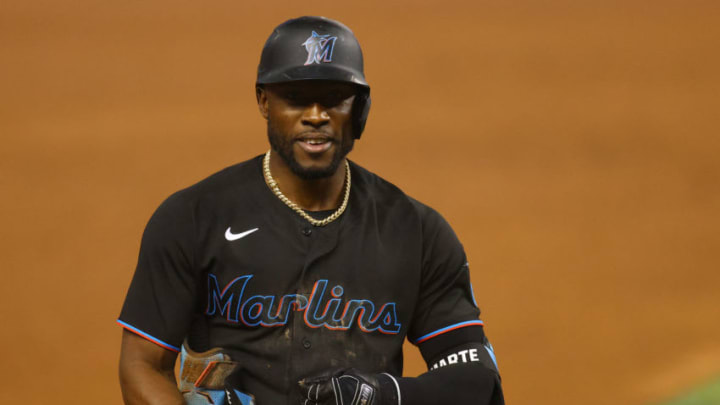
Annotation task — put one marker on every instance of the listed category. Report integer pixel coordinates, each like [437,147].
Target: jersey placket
[305,342]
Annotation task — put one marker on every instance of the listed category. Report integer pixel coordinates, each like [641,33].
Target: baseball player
[296,276]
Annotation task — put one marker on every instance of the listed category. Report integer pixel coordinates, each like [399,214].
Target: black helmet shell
[311,48]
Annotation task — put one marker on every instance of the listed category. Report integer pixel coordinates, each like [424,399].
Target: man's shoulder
[218,186]
[238,175]
[385,193]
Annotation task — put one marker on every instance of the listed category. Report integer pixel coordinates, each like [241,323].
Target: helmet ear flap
[361,109]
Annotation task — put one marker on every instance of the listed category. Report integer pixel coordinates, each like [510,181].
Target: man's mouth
[315,141]
[315,144]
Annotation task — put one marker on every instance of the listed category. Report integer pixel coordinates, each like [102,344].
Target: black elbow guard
[460,383]
[466,373]
[467,345]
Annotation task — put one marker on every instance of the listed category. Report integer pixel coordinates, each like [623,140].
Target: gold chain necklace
[316,222]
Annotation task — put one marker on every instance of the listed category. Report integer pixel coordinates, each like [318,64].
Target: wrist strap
[396,385]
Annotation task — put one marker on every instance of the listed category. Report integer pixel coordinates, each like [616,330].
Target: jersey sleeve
[446,300]
[161,298]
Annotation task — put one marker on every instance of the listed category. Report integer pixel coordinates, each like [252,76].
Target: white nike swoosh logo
[235,236]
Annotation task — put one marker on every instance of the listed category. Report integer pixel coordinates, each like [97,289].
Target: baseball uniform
[224,263]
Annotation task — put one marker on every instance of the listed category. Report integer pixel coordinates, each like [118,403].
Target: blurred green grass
[708,394]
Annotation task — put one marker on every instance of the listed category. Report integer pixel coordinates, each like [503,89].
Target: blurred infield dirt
[572,146]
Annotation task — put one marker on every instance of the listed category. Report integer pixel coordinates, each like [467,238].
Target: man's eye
[336,97]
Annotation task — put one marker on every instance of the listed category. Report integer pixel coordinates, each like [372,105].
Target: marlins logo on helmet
[319,48]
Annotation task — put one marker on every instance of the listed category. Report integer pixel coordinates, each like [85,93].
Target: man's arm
[147,372]
[462,371]
[465,374]
[464,383]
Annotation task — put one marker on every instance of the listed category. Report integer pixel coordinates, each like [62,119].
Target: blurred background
[571,144]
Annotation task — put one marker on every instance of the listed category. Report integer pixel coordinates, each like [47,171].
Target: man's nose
[315,115]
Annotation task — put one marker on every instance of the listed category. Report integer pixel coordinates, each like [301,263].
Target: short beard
[283,146]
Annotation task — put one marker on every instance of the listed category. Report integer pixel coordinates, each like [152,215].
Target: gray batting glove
[350,387]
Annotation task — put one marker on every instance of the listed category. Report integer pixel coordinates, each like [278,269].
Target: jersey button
[306,343]
[307,231]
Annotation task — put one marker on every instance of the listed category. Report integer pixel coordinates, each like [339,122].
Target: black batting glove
[350,387]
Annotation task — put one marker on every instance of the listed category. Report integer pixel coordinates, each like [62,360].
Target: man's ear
[261,96]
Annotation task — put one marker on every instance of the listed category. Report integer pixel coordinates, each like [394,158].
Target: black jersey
[224,263]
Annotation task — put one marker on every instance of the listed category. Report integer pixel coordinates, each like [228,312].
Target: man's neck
[311,195]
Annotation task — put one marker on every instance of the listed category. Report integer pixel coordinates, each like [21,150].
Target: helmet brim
[313,72]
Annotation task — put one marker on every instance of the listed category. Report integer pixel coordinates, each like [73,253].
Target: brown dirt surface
[571,144]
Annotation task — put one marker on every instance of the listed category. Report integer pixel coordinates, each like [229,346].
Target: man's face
[309,124]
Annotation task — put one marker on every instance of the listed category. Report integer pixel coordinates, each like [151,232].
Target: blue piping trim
[448,328]
[472,293]
[148,336]
[491,352]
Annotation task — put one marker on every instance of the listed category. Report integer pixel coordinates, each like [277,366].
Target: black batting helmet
[316,48]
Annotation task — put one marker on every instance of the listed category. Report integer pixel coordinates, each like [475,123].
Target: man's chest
[256,274]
